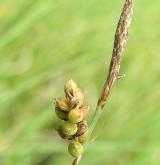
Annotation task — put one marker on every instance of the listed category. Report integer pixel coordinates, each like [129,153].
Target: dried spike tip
[62,104]
[74,95]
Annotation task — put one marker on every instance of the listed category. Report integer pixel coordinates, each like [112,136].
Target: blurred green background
[43,43]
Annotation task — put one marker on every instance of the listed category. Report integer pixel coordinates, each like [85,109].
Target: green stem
[93,123]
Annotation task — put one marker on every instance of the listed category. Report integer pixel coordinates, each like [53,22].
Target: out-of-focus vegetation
[45,43]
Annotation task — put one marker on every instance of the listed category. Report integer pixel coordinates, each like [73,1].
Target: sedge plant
[71,108]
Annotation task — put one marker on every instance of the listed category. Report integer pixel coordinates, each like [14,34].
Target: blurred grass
[45,43]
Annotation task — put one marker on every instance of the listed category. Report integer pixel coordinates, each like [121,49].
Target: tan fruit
[74,95]
[83,137]
[62,104]
[70,89]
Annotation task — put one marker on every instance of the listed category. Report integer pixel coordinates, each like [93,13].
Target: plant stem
[76,160]
[120,41]
[96,116]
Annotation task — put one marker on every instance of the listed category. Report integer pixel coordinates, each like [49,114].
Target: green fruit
[62,135]
[61,114]
[75,148]
[69,128]
[75,116]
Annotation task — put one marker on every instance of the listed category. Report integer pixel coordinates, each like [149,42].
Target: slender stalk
[120,41]
[96,116]
[76,160]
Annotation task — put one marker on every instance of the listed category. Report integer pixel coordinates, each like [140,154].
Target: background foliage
[45,43]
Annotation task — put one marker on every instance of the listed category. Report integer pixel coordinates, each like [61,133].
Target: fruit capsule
[75,148]
[61,114]
[75,116]
[62,135]
[62,104]
[69,128]
[70,89]
[82,128]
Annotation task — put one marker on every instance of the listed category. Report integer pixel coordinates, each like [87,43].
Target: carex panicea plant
[71,108]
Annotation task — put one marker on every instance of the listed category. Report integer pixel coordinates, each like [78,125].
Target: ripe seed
[75,148]
[75,115]
[61,114]
[69,128]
